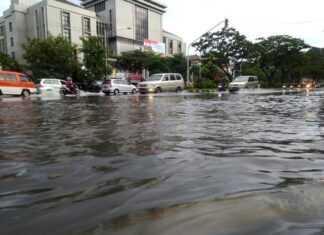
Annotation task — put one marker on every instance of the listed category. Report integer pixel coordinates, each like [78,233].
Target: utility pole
[188,69]
[106,49]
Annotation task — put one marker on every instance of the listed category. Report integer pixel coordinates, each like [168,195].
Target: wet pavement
[213,163]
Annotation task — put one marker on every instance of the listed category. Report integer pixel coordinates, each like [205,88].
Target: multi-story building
[122,24]
[173,44]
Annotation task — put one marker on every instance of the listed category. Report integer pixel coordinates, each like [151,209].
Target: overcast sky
[253,18]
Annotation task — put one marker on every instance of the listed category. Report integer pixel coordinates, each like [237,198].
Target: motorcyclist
[70,85]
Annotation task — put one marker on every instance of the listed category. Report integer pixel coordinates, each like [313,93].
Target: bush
[205,84]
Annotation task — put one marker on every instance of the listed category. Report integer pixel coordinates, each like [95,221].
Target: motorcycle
[66,91]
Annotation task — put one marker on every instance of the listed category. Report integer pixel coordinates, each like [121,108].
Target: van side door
[165,83]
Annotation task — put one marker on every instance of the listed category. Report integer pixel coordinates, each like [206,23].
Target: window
[43,20]
[141,23]
[86,27]
[101,27]
[2,39]
[179,47]
[101,6]
[24,79]
[67,34]
[55,82]
[12,43]
[13,55]
[66,25]
[172,77]
[37,23]
[170,47]
[10,26]
[2,77]
[178,77]
[66,20]
[11,77]
[110,21]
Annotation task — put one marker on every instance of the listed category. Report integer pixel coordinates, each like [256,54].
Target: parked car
[81,85]
[244,82]
[162,82]
[135,78]
[49,85]
[94,85]
[117,86]
[14,83]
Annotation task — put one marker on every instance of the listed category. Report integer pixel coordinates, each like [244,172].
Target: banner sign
[155,46]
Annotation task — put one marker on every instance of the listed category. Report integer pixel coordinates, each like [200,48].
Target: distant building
[124,25]
[173,44]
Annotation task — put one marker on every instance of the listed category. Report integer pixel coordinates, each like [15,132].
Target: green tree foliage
[8,63]
[94,56]
[136,61]
[52,57]
[280,54]
[228,48]
[177,64]
[314,66]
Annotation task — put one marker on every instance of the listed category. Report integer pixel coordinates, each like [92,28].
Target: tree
[280,53]
[52,57]
[177,64]
[94,56]
[136,61]
[314,66]
[228,48]
[8,63]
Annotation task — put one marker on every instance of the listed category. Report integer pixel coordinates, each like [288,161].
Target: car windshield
[156,77]
[241,79]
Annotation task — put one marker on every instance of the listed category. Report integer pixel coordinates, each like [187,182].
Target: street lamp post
[188,72]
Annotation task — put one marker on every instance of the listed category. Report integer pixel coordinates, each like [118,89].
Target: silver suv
[243,82]
[117,86]
[162,82]
[49,85]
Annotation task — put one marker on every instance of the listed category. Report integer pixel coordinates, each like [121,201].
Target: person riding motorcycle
[70,85]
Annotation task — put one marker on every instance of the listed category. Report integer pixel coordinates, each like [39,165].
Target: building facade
[173,44]
[122,24]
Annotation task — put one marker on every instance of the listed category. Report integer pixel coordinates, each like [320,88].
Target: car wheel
[25,93]
[178,89]
[116,92]
[158,90]
[133,91]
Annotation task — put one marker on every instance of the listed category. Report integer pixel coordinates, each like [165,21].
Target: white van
[244,82]
[162,82]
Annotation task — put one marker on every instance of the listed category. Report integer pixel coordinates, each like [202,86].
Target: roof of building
[194,57]
[172,34]
[69,3]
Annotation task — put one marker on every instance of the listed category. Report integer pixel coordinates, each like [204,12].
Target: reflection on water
[247,163]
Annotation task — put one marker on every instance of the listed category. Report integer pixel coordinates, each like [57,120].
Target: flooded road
[163,164]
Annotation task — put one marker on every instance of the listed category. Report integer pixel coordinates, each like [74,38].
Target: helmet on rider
[69,79]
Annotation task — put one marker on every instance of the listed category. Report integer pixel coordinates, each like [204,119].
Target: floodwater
[171,164]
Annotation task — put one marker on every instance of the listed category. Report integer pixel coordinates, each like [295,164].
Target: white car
[243,82]
[49,85]
[117,86]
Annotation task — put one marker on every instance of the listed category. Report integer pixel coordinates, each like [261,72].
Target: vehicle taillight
[110,85]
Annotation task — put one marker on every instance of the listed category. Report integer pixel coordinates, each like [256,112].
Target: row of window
[101,6]
[170,46]
[12,78]
[66,23]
